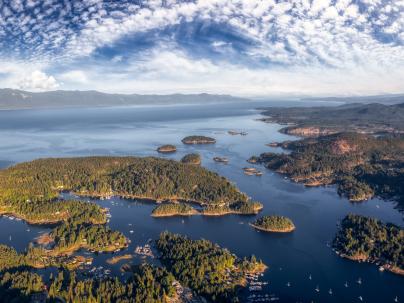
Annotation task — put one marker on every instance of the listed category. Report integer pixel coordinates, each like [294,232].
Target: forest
[71,237]
[41,181]
[369,239]
[170,209]
[205,267]
[361,165]
[146,284]
[194,159]
[274,223]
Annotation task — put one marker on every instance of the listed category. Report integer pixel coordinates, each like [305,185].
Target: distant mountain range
[19,99]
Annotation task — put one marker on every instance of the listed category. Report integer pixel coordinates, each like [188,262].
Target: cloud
[38,81]
[182,41]
[174,71]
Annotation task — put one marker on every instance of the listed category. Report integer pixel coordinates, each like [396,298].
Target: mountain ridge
[20,99]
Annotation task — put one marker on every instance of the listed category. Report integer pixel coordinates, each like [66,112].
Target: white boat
[346,284]
[396,299]
[381,268]
[288,284]
[360,298]
[359,281]
[310,277]
[317,289]
[330,291]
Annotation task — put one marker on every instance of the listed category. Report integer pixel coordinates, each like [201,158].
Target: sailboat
[330,291]
[288,284]
[360,298]
[317,289]
[359,281]
[396,299]
[346,284]
[310,277]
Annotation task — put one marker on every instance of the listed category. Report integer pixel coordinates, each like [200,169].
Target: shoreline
[393,269]
[211,214]
[272,230]
[49,223]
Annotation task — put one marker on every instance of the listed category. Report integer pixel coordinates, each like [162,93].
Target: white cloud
[329,40]
[173,71]
[38,81]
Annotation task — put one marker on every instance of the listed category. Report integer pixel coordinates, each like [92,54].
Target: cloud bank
[244,47]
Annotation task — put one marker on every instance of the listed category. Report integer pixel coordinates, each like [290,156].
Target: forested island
[274,224]
[206,268]
[41,181]
[325,120]
[194,159]
[361,165]
[198,140]
[368,239]
[167,149]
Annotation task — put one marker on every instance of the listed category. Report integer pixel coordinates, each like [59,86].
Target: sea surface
[292,258]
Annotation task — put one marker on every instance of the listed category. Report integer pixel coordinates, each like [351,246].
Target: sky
[240,47]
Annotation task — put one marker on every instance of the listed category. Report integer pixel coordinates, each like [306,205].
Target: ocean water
[138,131]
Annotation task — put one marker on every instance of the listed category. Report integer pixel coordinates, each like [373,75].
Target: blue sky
[239,47]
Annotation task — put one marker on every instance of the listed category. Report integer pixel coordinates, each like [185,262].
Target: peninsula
[205,267]
[368,239]
[361,165]
[41,181]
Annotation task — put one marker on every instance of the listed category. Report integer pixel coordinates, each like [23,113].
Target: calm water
[26,135]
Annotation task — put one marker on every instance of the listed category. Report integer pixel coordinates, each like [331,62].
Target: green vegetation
[201,265]
[368,239]
[198,140]
[173,209]
[251,208]
[205,267]
[71,237]
[42,212]
[274,224]
[36,257]
[168,148]
[40,182]
[194,159]
[361,165]
[18,286]
[10,258]
[147,284]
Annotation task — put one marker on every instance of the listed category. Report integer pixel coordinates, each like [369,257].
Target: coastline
[273,230]
[363,258]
